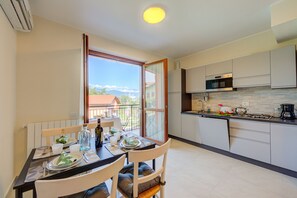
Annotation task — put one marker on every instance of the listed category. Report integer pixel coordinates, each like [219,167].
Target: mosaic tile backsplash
[260,99]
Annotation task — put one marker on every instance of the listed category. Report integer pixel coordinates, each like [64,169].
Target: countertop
[216,115]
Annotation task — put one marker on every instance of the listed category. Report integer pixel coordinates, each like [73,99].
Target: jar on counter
[277,112]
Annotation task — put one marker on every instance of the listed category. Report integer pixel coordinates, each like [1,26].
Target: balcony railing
[129,114]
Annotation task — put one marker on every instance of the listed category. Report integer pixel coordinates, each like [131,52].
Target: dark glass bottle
[99,134]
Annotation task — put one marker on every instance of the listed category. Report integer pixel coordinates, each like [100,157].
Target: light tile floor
[193,172]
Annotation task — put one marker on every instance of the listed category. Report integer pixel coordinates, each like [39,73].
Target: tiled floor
[198,173]
[193,172]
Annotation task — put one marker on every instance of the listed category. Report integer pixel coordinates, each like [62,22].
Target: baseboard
[9,192]
[239,157]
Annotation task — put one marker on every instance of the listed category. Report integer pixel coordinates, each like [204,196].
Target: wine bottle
[99,134]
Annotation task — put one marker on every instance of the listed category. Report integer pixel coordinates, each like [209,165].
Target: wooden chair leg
[162,192]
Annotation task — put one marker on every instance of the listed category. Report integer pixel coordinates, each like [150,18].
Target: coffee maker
[287,112]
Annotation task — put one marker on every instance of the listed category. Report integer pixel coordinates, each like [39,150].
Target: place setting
[61,143]
[63,155]
[120,142]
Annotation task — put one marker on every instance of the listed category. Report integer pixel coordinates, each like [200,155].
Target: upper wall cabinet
[195,81]
[252,71]
[283,67]
[219,68]
[174,80]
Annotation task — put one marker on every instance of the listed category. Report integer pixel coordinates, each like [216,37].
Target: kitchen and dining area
[169,99]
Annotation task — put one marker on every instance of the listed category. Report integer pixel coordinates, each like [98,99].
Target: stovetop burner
[257,116]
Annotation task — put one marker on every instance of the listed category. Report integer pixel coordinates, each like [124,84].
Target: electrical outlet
[245,103]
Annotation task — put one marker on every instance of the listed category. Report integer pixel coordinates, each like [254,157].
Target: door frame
[88,52]
[143,124]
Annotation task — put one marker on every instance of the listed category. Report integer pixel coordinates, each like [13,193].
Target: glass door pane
[155,101]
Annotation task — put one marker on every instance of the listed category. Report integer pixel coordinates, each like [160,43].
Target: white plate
[122,144]
[52,165]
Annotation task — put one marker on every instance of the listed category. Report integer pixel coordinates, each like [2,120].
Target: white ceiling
[190,25]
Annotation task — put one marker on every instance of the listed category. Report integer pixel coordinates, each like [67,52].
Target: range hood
[284,20]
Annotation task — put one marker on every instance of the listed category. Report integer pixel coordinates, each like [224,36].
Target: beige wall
[260,42]
[7,101]
[48,75]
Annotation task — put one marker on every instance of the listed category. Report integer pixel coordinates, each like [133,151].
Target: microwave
[222,82]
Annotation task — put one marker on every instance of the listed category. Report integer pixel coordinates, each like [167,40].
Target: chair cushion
[125,183]
[100,191]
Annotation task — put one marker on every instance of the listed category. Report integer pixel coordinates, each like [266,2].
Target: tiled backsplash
[261,99]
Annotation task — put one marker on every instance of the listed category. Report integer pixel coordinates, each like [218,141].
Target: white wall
[7,102]
[48,75]
[260,42]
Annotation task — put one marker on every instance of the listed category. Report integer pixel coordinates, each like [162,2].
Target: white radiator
[34,138]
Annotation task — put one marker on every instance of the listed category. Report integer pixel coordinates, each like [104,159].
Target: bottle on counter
[84,138]
[99,134]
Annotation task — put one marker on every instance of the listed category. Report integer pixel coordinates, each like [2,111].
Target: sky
[113,74]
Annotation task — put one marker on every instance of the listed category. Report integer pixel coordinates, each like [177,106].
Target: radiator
[34,138]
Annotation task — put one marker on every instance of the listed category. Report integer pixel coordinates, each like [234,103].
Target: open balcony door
[155,97]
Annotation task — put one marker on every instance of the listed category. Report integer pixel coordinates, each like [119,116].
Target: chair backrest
[108,124]
[76,184]
[145,155]
[51,133]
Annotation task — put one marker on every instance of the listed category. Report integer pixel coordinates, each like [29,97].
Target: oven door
[219,84]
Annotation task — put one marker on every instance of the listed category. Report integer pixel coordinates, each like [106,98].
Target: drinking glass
[113,140]
[57,148]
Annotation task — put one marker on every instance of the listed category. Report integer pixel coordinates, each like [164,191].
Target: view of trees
[94,91]
[125,99]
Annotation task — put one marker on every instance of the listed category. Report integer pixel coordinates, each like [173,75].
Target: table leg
[127,158]
[154,167]
[34,193]
[18,193]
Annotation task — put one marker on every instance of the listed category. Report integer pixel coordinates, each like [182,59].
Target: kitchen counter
[216,115]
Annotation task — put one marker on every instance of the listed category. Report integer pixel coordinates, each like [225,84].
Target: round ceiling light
[154,15]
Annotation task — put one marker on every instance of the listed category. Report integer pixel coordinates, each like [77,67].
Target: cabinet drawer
[251,135]
[250,125]
[251,149]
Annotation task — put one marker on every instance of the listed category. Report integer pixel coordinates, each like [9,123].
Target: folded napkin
[45,151]
[115,150]
[42,152]
[91,157]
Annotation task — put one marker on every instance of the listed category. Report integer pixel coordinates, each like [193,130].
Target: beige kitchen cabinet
[195,80]
[218,68]
[252,71]
[214,132]
[190,128]
[284,146]
[178,100]
[283,67]
[250,139]
[174,113]
[174,80]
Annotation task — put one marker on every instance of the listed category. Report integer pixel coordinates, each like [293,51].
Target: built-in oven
[222,82]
